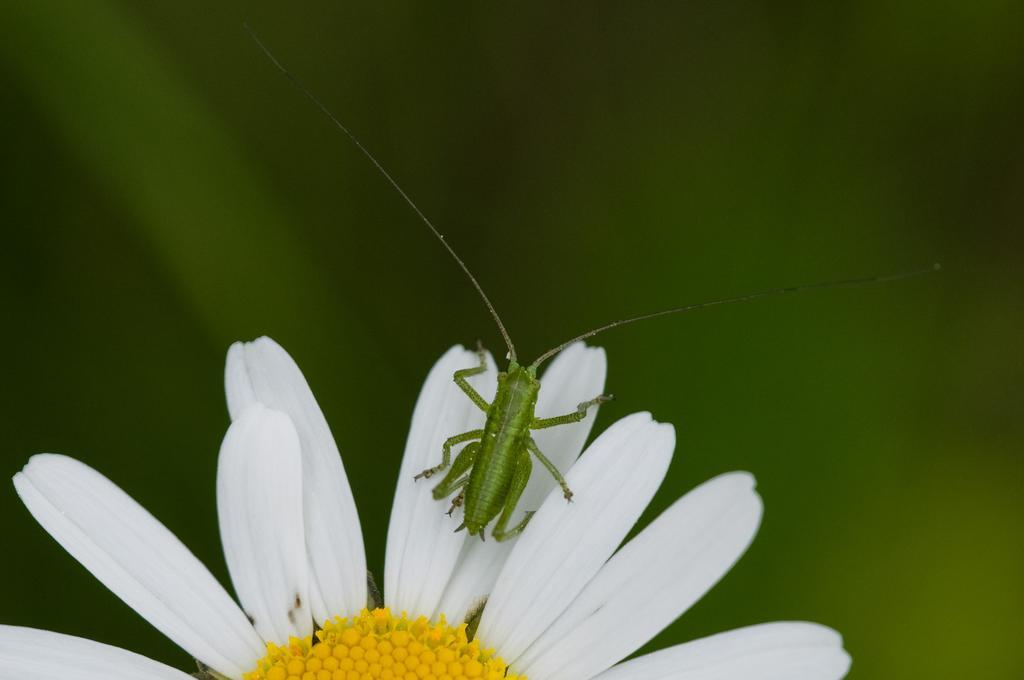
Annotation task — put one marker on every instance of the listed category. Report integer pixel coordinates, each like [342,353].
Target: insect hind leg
[576,416]
[520,476]
[458,476]
[446,452]
[460,498]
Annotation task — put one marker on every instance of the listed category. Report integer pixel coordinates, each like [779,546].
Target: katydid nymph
[489,473]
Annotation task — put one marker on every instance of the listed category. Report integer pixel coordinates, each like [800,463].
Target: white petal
[770,651]
[650,581]
[30,654]
[259,502]
[422,546]
[262,371]
[566,543]
[474,577]
[142,562]
[576,375]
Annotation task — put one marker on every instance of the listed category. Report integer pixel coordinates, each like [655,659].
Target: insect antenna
[380,168]
[845,283]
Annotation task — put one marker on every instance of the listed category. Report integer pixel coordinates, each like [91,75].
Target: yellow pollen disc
[378,645]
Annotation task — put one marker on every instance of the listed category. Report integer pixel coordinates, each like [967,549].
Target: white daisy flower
[563,601]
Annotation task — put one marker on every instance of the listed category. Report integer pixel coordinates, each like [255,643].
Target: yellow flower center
[378,645]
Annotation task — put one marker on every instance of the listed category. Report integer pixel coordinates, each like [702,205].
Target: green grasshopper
[491,471]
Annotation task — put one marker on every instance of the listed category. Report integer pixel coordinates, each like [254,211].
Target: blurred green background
[165,192]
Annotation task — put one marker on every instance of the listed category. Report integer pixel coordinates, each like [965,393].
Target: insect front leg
[458,476]
[535,450]
[446,451]
[461,375]
[576,416]
[520,476]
